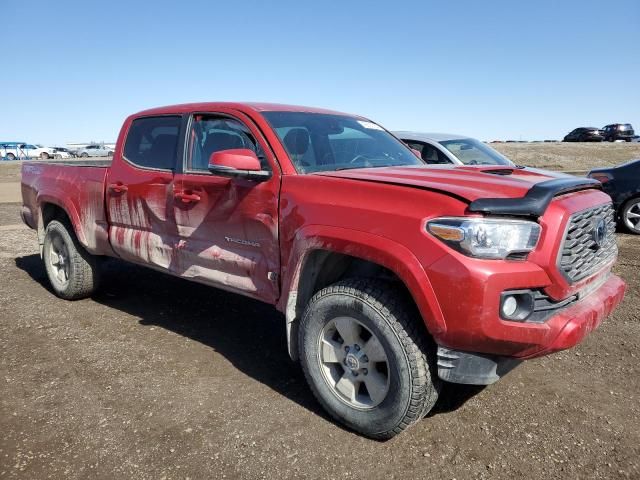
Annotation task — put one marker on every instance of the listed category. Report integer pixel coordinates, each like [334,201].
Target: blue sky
[72,70]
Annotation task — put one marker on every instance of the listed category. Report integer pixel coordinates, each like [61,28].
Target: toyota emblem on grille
[599,232]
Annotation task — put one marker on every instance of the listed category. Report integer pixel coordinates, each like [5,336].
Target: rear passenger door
[139,192]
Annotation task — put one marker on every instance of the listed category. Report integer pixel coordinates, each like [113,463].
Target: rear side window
[152,142]
[429,153]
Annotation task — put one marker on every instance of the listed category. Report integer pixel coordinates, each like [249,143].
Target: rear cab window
[152,142]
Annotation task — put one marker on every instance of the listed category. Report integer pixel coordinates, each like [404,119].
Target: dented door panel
[142,227]
[229,238]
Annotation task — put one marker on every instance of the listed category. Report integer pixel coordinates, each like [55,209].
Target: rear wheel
[73,272]
[44,156]
[366,357]
[631,215]
[11,156]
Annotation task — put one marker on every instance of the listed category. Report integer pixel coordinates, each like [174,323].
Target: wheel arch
[51,207]
[321,256]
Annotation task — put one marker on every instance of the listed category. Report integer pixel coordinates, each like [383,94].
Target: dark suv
[618,131]
[584,134]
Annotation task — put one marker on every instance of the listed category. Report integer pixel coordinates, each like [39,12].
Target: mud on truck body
[392,275]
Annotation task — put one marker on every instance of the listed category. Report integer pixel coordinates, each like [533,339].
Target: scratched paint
[374,214]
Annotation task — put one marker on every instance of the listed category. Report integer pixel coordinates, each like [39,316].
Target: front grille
[581,256]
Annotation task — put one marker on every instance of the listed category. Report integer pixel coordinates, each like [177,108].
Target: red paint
[235,234]
[238,158]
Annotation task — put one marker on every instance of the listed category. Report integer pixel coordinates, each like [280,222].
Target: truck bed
[77,187]
[103,162]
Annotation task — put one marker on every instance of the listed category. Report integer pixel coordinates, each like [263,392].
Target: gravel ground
[575,157]
[156,377]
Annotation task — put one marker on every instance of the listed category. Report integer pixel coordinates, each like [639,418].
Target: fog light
[509,306]
[516,305]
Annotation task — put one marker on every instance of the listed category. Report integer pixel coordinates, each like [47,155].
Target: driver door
[227,227]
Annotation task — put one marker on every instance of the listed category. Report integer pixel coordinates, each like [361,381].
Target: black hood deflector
[537,199]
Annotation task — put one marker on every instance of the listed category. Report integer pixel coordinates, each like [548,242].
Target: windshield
[473,152]
[318,142]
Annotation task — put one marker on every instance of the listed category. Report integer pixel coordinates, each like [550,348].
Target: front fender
[366,246]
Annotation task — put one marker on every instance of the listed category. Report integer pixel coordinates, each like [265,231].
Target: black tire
[109,154]
[84,154]
[44,156]
[82,270]
[11,156]
[386,313]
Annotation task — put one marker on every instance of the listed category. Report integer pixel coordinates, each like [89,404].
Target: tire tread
[86,273]
[391,304]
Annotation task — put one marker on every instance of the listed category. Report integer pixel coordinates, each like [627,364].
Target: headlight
[486,237]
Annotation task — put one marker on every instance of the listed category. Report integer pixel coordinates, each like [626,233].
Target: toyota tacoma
[392,275]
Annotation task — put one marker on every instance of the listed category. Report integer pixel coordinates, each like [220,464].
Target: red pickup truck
[392,275]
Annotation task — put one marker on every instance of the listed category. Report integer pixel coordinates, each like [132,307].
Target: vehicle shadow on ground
[248,333]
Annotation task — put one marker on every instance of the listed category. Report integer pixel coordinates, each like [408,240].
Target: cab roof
[241,106]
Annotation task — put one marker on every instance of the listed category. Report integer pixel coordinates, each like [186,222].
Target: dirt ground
[578,157]
[155,377]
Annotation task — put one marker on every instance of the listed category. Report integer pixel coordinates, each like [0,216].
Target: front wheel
[84,154]
[366,357]
[73,272]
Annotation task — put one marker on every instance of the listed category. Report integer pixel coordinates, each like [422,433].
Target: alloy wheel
[632,216]
[58,258]
[353,363]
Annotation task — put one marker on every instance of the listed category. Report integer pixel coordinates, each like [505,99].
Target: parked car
[622,183]
[584,134]
[62,152]
[95,151]
[21,150]
[392,275]
[618,131]
[447,149]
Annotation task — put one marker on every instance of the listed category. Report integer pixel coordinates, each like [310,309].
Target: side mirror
[237,162]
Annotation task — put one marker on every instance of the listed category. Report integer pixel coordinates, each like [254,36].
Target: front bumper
[561,331]
[577,321]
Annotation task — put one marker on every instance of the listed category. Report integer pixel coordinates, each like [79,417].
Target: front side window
[317,142]
[212,133]
[473,152]
[152,142]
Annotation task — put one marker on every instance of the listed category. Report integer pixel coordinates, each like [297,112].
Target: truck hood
[466,182]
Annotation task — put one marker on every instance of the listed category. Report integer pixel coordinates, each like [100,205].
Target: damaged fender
[362,245]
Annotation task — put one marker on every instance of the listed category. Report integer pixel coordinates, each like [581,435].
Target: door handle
[187,197]
[118,187]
